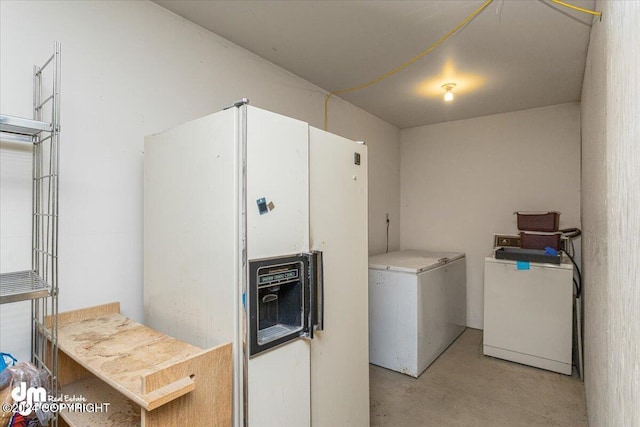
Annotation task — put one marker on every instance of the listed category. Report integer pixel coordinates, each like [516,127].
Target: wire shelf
[40,284]
[22,126]
[22,286]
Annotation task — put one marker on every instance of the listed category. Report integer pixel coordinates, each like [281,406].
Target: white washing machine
[417,307]
[528,313]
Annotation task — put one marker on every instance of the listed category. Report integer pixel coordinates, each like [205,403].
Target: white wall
[384,175]
[130,69]
[611,216]
[461,182]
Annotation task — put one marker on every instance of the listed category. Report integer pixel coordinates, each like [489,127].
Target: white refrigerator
[255,232]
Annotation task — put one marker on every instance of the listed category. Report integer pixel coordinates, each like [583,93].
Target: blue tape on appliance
[523,265]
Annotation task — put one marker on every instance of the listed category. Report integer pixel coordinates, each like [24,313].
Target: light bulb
[448,95]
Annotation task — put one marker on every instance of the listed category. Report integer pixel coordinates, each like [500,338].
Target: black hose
[571,232]
[579,289]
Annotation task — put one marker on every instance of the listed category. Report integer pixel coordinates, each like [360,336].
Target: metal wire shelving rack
[40,284]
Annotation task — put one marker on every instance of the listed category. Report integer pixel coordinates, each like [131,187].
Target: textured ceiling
[516,54]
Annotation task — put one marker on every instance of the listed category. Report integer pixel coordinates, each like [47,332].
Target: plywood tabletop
[122,352]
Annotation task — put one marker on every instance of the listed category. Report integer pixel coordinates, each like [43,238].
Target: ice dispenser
[284,299]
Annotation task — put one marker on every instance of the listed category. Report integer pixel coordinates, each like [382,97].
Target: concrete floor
[464,388]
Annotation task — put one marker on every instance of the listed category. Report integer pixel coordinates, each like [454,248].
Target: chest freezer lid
[412,261]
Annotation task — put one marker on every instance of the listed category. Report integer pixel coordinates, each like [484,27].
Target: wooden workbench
[146,378]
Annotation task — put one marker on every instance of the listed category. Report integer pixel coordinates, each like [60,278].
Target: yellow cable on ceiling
[426,51]
[580,9]
[403,66]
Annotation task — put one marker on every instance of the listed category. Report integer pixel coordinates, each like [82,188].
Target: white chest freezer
[417,307]
[528,312]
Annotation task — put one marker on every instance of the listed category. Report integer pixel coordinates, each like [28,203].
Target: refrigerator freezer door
[340,352]
[278,380]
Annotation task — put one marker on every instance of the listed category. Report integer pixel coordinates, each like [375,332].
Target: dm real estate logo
[28,398]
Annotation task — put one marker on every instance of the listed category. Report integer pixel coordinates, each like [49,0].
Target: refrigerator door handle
[314,305]
[318,321]
[310,302]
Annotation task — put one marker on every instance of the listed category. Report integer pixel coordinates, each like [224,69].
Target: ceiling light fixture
[448,95]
